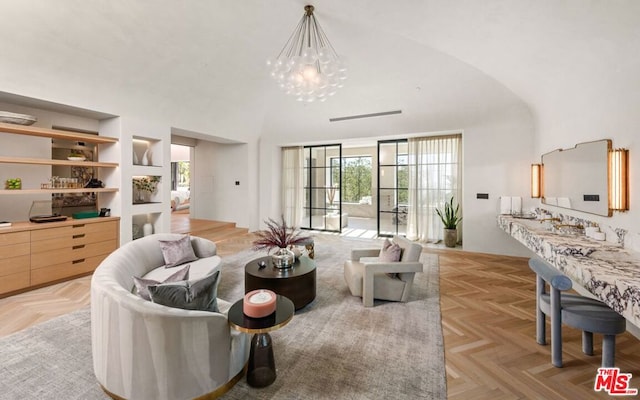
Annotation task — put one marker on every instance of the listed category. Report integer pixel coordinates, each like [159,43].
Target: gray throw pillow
[188,295]
[142,284]
[176,252]
[391,252]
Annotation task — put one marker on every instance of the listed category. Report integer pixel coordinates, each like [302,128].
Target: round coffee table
[297,283]
[261,370]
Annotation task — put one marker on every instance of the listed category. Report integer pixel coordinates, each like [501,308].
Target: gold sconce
[619,179]
[536,181]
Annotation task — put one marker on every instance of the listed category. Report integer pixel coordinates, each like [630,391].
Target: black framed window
[322,177]
[393,187]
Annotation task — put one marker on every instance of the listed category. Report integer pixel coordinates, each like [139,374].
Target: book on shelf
[5,224]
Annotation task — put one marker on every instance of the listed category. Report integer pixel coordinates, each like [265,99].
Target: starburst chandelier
[308,67]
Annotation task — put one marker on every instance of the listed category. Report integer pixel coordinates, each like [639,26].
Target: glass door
[393,187]
[322,187]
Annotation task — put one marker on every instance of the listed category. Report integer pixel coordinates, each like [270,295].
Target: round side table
[261,371]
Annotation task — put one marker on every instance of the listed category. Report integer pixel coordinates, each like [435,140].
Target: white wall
[216,196]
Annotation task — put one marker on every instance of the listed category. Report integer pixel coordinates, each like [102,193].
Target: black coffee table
[261,371]
[298,283]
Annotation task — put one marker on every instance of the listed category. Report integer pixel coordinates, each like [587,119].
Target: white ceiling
[200,64]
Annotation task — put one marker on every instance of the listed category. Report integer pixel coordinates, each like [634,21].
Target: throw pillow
[188,295]
[176,252]
[391,252]
[142,284]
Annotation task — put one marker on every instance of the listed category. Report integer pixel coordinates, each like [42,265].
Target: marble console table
[606,270]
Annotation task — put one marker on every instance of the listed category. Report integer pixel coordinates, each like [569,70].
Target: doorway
[323,188]
[393,187]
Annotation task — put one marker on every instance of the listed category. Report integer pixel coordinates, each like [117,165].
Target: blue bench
[589,315]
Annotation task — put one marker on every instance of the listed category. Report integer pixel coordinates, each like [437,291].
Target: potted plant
[145,186]
[280,236]
[450,219]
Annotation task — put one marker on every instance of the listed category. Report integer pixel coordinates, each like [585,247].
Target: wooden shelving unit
[50,191]
[45,161]
[62,135]
[55,134]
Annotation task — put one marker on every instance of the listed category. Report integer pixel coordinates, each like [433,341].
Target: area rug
[333,348]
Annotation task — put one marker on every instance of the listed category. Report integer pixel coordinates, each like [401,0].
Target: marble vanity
[605,269]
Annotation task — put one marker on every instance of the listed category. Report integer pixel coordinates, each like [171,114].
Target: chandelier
[308,67]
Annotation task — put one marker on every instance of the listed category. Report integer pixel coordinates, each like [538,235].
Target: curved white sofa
[143,350]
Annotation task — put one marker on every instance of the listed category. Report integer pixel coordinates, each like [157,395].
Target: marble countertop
[606,270]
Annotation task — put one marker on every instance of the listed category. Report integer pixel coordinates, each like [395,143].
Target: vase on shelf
[147,229]
[135,159]
[283,258]
[146,157]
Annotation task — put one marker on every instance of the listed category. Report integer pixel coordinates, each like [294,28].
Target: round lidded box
[259,303]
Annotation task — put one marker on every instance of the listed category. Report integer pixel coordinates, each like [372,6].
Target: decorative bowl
[19,119]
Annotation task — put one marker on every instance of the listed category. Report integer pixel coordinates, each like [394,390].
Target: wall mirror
[577,178]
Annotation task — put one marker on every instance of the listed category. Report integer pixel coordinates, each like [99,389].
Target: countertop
[604,269]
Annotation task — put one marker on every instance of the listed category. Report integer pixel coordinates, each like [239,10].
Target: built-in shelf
[47,161]
[50,191]
[55,134]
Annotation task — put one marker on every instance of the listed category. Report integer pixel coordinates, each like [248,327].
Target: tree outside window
[356,177]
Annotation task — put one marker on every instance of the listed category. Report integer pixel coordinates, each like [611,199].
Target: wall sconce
[536,180]
[619,179]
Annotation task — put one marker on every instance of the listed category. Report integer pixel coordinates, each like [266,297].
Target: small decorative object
[135,158]
[147,229]
[296,251]
[146,157]
[13,184]
[76,155]
[279,236]
[259,303]
[450,219]
[19,119]
[135,231]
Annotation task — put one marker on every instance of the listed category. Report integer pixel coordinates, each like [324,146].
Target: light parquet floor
[488,324]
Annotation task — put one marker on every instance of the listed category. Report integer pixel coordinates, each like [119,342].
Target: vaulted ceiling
[200,64]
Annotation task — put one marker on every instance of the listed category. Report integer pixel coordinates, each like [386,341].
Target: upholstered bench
[589,315]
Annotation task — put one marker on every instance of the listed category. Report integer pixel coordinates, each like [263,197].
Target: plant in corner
[280,236]
[450,219]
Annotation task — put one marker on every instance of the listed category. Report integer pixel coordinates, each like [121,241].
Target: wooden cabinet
[33,255]
[14,261]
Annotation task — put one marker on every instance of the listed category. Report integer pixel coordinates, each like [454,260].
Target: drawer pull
[78,236]
[78,261]
[78,226]
[80,246]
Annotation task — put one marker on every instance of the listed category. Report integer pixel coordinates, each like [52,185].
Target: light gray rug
[333,348]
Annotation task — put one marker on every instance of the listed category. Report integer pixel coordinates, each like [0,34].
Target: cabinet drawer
[69,231]
[14,250]
[76,240]
[13,282]
[14,238]
[65,270]
[71,253]
[14,265]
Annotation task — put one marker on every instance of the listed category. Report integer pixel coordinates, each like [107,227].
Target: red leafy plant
[278,235]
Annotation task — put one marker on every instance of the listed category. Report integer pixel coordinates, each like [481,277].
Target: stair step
[221,235]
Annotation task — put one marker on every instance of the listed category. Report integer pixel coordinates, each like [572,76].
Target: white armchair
[370,278]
